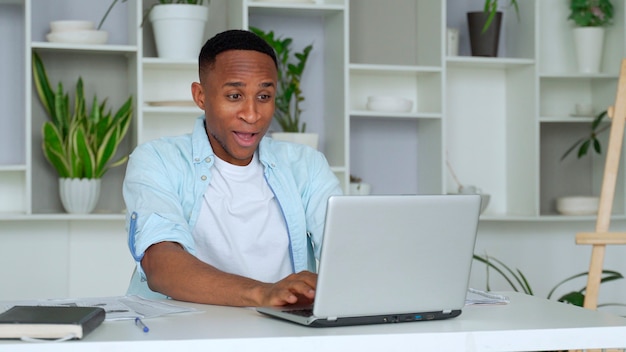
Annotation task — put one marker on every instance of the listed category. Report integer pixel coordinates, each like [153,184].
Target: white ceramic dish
[389,104]
[577,205]
[79,37]
[70,25]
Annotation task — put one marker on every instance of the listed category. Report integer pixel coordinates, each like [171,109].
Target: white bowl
[79,37]
[71,25]
[389,104]
[577,205]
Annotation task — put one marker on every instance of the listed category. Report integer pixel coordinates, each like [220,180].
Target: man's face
[237,96]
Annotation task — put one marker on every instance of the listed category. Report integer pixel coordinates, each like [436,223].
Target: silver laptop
[391,259]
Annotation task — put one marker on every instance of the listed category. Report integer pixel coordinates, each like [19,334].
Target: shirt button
[196,159]
[208,159]
[203,178]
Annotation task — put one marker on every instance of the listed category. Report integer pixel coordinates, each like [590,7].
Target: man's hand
[296,288]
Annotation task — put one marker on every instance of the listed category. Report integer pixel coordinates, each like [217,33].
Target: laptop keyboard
[301,312]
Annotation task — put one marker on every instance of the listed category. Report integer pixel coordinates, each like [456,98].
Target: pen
[141,325]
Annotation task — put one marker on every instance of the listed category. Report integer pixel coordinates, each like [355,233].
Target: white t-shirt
[240,229]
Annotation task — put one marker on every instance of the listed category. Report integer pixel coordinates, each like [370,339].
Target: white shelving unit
[501,122]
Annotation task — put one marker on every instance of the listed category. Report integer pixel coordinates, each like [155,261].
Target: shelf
[16,167]
[566,119]
[546,218]
[171,110]
[487,62]
[157,63]
[93,49]
[393,115]
[61,217]
[283,8]
[576,75]
[393,68]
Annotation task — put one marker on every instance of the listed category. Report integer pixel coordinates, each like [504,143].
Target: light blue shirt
[167,178]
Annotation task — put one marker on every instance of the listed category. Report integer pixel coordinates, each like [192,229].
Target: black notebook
[49,322]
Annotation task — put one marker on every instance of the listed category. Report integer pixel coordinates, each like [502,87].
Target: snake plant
[289,95]
[79,144]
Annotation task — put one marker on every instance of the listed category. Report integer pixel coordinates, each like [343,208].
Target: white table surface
[527,323]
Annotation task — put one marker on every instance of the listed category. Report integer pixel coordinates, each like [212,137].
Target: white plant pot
[310,139]
[79,195]
[360,188]
[179,29]
[589,42]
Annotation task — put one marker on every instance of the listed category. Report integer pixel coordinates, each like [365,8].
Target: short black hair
[233,39]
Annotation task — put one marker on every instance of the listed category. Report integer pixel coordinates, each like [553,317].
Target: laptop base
[363,320]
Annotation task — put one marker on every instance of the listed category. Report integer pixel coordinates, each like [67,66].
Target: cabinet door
[323,24]
[396,52]
[14,134]
[108,71]
[491,105]
[562,87]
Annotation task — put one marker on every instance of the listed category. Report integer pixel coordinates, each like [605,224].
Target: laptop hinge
[331,318]
[447,311]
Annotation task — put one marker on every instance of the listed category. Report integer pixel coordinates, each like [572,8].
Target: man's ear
[198,94]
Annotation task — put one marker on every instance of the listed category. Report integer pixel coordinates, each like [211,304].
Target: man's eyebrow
[241,84]
[234,84]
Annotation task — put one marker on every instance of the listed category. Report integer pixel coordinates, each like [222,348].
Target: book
[49,322]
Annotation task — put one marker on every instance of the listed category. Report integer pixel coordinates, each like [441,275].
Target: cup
[452,42]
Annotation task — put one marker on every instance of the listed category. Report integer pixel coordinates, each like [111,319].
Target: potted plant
[178,27]
[484,28]
[583,144]
[289,95]
[590,17]
[79,144]
[519,283]
[358,187]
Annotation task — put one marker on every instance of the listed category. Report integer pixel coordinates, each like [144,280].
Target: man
[221,216]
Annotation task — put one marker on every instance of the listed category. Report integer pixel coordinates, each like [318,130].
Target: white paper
[116,307]
[479,297]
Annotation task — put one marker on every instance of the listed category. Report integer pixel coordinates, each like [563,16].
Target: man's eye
[235,96]
[265,97]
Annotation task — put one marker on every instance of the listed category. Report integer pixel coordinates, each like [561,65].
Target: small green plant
[76,143]
[491,8]
[290,69]
[591,13]
[106,14]
[518,282]
[583,144]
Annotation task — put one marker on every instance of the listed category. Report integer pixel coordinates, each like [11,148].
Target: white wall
[546,253]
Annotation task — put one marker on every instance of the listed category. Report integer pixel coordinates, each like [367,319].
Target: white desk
[527,324]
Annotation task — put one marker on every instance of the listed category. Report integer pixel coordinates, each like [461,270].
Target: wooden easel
[602,237]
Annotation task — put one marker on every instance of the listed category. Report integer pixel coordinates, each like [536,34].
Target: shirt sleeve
[153,202]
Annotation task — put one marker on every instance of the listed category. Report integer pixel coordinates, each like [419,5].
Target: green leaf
[85,153]
[583,148]
[576,298]
[42,85]
[54,149]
